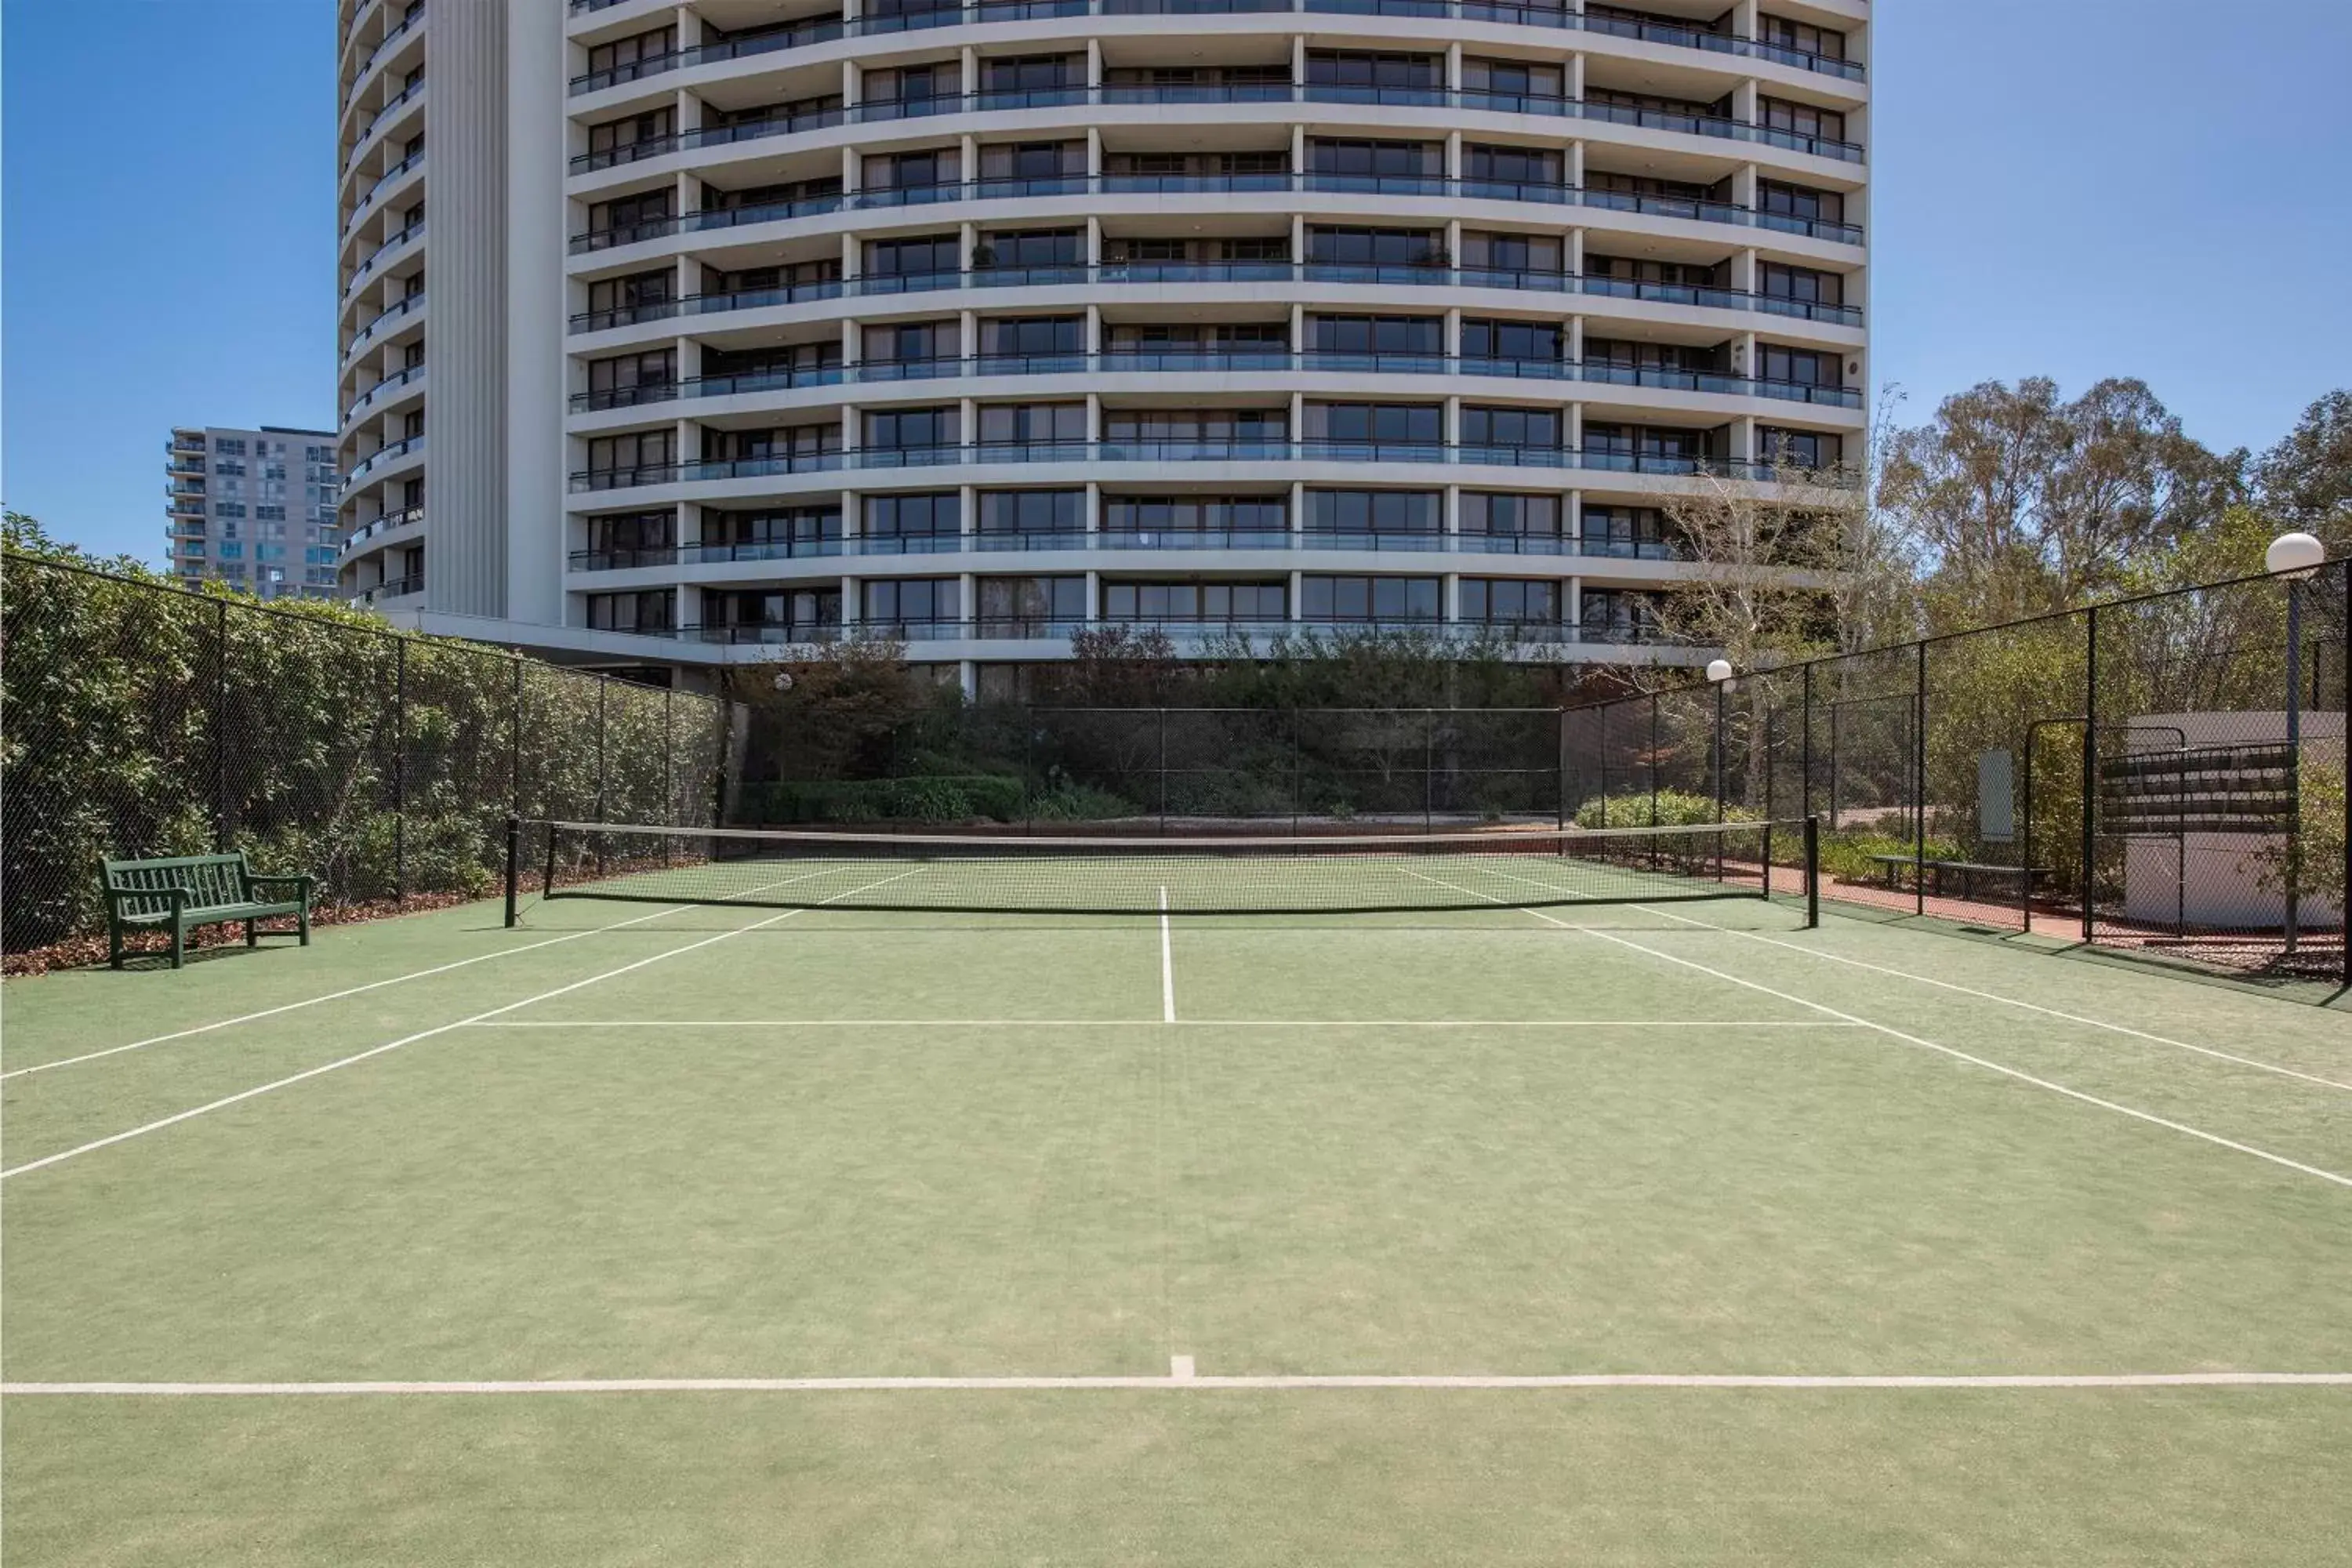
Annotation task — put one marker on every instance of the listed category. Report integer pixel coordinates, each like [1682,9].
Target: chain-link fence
[137,719]
[2164,773]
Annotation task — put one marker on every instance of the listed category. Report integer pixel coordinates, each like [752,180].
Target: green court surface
[1633,1234]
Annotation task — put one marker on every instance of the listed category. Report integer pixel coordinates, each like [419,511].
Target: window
[909,84]
[1374,248]
[1365,69]
[653,610]
[228,509]
[229,550]
[1641,269]
[1032,247]
[1366,424]
[903,429]
[1034,513]
[623,59]
[1514,166]
[1033,73]
[1195,602]
[1800,367]
[619,295]
[640,458]
[1023,337]
[229,470]
[912,524]
[617,140]
[798,612]
[1494,251]
[1800,119]
[1030,606]
[1539,342]
[1802,37]
[783,443]
[1352,159]
[916,606]
[269,514]
[1158,516]
[1377,334]
[1512,602]
[782,531]
[1519,519]
[1368,599]
[1484,426]
[1614,614]
[1048,161]
[1032,424]
[1800,202]
[1374,511]
[920,255]
[1627,532]
[618,381]
[625,535]
[1517,78]
[1805,284]
[1798,448]
[911,342]
[1622,354]
[926,168]
[624,215]
[1190,424]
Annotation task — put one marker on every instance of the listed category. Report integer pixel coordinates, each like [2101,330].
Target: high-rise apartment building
[253,508]
[756,321]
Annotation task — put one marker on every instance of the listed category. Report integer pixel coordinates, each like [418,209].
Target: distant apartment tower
[255,508]
[760,322]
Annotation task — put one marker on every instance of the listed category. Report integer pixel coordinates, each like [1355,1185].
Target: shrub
[1667,808]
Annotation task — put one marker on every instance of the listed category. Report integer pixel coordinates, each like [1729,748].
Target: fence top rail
[1915,644]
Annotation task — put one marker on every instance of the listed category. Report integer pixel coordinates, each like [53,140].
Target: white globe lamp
[2295,555]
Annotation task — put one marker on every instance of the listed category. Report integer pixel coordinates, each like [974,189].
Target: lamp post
[2294,558]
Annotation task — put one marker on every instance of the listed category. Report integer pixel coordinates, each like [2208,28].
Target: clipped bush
[1667,808]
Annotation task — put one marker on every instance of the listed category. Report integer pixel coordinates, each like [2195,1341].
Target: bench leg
[253,934]
[179,943]
[114,945]
[303,922]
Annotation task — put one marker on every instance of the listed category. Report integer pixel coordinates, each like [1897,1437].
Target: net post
[547,883]
[514,858]
[1766,894]
[2090,767]
[1919,781]
[1812,872]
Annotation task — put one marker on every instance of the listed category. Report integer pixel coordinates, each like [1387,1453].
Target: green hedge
[1667,808]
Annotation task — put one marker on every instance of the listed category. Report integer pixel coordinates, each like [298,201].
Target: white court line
[356,990]
[227,1100]
[1180,1377]
[1157,1023]
[2150,1117]
[1167,965]
[2006,1000]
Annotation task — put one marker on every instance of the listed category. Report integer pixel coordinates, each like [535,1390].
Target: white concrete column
[853,346]
[852,601]
[968,241]
[967,421]
[1093,520]
[1094,332]
[1576,608]
[1298,58]
[853,84]
[1094,416]
[1453,154]
[1744,102]
[1574,79]
[1452,518]
[966,158]
[1743,186]
[1453,426]
[1298,146]
[1743,441]
[1451,343]
[1094,152]
[1743,271]
[1744,361]
[1450,603]
[1297,238]
[968,70]
[1093,241]
[849,256]
[1297,328]
[1094,62]
[1453,67]
[1576,427]
[852,172]
[1297,595]
[1576,164]
[1094,594]
[1298,510]
[1576,340]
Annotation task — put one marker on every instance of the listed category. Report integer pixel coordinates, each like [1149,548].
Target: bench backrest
[210,880]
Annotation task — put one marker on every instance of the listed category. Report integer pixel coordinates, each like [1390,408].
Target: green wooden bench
[185,891]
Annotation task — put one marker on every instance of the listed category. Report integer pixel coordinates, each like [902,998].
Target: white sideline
[371,986]
[1167,965]
[1891,1033]
[227,1100]
[1180,1377]
[2006,1000]
[1156,1023]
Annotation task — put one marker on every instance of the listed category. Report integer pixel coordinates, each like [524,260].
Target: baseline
[1188,1381]
[1157,1023]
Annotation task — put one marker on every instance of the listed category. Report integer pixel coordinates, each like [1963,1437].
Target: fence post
[1805,748]
[400,771]
[2290,924]
[1601,748]
[514,741]
[514,858]
[1028,769]
[220,727]
[669,764]
[2343,900]
[1428,769]
[1812,872]
[1162,715]
[1559,772]
[1298,770]
[1654,776]
[1919,782]
[2090,767]
[604,685]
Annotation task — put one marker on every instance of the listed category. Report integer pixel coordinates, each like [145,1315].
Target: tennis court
[1547,1214]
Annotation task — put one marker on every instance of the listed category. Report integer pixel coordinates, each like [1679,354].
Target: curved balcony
[1258,630]
[377,257]
[384,458]
[1544,194]
[1110,542]
[414,377]
[1548,18]
[989,454]
[382,119]
[375,535]
[1194,362]
[385,48]
[388,589]
[382,324]
[892,110]
[384,185]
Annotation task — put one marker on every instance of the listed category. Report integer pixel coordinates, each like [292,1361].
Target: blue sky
[2072,187]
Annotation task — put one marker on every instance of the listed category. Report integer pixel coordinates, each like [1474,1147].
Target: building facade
[255,508]
[754,322]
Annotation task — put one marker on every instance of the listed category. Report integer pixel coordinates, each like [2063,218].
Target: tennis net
[1335,873]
